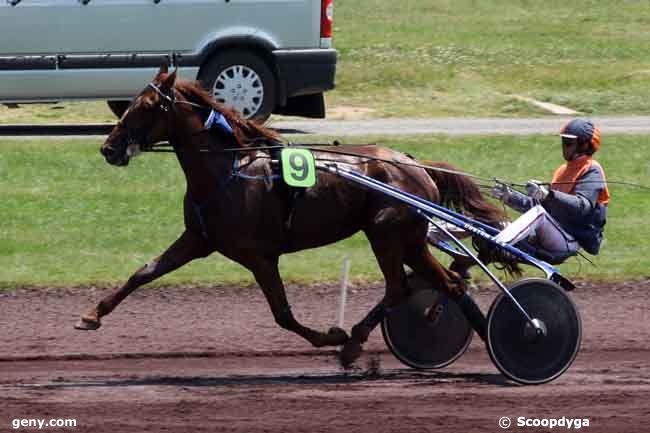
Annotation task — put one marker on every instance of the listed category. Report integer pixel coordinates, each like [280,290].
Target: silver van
[260,56]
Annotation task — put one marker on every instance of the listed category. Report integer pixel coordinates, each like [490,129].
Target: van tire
[118,107]
[222,70]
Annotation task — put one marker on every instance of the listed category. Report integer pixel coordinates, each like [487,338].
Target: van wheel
[118,107]
[241,80]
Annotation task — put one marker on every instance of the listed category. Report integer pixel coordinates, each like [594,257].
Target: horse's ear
[163,69]
[169,81]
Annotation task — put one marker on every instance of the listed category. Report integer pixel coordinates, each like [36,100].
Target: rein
[319,147]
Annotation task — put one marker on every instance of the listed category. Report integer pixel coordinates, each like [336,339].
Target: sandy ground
[212,359]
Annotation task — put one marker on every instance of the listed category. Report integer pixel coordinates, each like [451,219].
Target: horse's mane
[247,132]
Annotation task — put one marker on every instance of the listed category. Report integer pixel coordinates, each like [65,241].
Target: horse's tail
[461,194]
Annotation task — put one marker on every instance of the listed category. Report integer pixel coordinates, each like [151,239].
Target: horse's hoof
[351,352]
[85,324]
[337,336]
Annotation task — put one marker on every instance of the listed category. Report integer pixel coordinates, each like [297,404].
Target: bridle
[142,136]
[171,98]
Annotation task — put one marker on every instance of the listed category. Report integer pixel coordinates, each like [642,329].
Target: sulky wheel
[426,331]
[521,353]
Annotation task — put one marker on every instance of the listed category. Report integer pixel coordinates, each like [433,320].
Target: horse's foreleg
[187,247]
[268,277]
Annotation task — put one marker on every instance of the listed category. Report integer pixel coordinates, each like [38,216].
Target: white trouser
[542,230]
[536,225]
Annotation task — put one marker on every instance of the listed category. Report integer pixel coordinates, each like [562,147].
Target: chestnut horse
[253,222]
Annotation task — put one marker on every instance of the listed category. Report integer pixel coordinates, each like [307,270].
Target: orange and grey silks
[566,177]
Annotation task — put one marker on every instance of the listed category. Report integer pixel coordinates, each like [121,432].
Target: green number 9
[299,166]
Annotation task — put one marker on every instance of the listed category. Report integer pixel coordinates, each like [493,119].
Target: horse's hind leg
[388,250]
[419,258]
[187,247]
[265,270]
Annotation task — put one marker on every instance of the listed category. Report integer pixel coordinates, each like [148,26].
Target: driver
[572,213]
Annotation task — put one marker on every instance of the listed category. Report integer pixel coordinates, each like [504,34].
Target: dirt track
[212,359]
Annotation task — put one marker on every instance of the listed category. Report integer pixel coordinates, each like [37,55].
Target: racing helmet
[585,131]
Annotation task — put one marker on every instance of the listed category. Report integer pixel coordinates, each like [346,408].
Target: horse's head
[144,123]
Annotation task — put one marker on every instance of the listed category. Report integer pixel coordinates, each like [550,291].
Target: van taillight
[326,16]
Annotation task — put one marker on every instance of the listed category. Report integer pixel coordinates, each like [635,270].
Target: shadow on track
[408,377]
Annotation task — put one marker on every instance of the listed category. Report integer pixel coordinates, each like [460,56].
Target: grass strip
[68,218]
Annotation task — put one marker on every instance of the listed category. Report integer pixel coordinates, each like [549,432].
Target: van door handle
[156,2]
[13,2]
[84,2]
